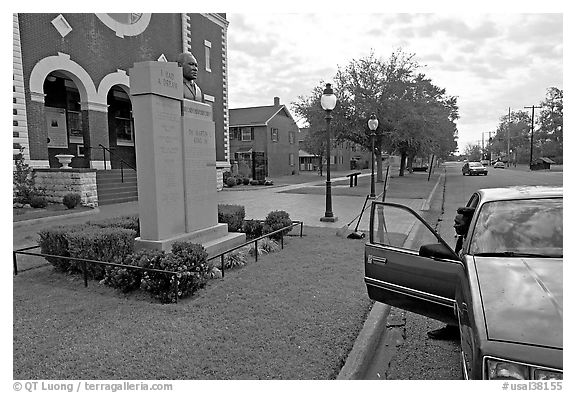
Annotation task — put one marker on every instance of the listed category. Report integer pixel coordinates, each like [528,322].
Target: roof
[520,192]
[255,116]
[304,153]
[546,159]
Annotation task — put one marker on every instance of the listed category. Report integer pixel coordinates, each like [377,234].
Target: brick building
[264,141]
[71,88]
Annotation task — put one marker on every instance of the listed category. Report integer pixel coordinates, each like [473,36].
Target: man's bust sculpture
[190,72]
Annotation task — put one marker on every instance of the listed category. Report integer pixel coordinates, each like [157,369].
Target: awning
[303,153]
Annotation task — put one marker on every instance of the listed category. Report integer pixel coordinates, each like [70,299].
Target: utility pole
[532,134]
[508,149]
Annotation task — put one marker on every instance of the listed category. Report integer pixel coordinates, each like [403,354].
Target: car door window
[400,227]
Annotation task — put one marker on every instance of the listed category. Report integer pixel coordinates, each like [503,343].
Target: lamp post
[328,102]
[372,125]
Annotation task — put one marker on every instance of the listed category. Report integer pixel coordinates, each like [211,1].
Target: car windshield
[528,227]
[475,164]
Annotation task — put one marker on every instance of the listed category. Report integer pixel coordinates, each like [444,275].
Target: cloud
[457,28]
[489,61]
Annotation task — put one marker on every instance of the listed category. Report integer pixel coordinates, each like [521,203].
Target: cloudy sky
[489,61]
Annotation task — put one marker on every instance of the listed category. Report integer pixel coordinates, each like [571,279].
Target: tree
[519,127]
[315,143]
[473,152]
[549,137]
[415,116]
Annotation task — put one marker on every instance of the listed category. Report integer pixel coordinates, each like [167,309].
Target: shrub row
[233,215]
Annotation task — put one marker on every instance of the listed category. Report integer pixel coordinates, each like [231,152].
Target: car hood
[522,299]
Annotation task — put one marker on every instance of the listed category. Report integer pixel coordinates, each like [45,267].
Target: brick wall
[58,182]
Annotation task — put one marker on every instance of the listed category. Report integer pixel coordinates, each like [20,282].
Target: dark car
[503,288]
[474,168]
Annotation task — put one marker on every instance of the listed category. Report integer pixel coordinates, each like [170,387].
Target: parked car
[474,168]
[499,164]
[503,288]
[485,162]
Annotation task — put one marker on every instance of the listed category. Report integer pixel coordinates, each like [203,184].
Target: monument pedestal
[214,239]
[176,160]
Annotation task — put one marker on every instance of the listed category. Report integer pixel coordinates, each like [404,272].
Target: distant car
[499,164]
[474,168]
[503,289]
[485,162]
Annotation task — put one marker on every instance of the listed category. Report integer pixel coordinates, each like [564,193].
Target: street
[405,351]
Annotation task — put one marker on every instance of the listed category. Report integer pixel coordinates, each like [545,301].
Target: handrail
[110,153]
[255,241]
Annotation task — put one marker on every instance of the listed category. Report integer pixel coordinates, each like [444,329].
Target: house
[71,87]
[263,141]
[541,163]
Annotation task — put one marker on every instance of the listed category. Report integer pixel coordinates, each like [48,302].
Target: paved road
[405,351]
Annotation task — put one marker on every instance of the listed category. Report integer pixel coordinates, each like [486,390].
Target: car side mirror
[438,250]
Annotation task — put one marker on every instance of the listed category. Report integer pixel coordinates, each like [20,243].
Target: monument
[176,161]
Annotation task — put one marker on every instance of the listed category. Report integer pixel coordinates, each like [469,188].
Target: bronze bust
[190,72]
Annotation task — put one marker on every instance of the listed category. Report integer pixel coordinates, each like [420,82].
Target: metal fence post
[256,249]
[282,240]
[175,287]
[15,262]
[301,227]
[85,272]
[222,262]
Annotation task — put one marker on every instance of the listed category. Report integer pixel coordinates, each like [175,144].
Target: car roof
[520,192]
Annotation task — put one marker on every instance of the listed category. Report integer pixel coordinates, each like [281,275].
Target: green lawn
[293,314]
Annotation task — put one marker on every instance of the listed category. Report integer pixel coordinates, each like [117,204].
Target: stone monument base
[214,239]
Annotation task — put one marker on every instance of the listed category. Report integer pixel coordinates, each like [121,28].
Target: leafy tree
[549,138]
[315,143]
[415,116]
[473,152]
[518,127]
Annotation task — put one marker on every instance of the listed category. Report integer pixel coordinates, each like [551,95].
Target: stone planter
[65,160]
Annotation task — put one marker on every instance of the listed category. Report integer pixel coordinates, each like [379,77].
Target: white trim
[186,41]
[120,142]
[220,21]
[94,106]
[117,78]
[62,63]
[208,44]
[39,163]
[61,25]
[37,97]
[208,97]
[248,125]
[122,29]
[99,164]
[223,164]
[18,91]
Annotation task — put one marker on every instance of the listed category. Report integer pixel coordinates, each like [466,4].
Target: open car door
[408,265]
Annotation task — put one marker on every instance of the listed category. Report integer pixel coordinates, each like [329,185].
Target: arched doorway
[120,127]
[63,116]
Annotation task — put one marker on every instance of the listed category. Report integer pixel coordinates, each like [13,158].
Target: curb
[19,224]
[361,353]
[426,204]
[374,328]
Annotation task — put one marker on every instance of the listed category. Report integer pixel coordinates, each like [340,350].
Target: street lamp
[328,102]
[372,125]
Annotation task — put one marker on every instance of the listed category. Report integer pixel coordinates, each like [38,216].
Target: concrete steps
[113,186]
